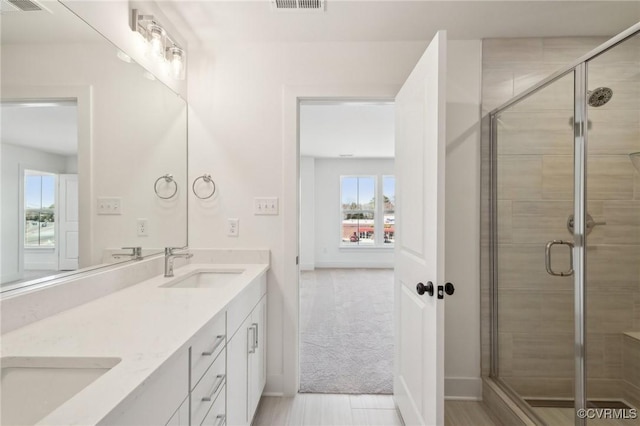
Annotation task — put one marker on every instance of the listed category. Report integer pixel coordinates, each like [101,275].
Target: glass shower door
[533,207]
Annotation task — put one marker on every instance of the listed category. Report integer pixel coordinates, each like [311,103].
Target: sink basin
[206,279]
[33,387]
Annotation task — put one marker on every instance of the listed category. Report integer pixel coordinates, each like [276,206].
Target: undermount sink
[206,279]
[33,387]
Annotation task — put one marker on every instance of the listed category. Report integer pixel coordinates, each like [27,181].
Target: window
[367,208]
[39,209]
[389,208]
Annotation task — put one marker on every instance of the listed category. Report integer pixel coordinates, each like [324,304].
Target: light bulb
[156,42]
[176,60]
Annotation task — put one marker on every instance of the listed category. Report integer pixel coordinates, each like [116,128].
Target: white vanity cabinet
[246,353]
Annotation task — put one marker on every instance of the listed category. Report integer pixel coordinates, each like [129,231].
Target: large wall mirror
[93,151]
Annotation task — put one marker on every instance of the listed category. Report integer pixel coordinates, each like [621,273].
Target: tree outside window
[39,209]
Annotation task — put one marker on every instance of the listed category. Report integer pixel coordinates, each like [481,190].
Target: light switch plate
[265,206]
[109,205]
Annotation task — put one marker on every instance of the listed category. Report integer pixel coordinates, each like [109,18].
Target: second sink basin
[206,279]
[33,387]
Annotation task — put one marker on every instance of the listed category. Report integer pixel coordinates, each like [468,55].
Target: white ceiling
[215,20]
[51,129]
[356,129]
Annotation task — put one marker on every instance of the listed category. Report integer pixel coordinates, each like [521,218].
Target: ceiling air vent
[308,5]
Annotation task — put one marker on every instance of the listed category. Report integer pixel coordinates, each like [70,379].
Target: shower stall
[564,235]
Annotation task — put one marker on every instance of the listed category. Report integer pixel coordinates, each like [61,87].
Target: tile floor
[355,410]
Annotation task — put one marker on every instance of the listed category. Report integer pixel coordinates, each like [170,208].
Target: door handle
[547,258]
[422,289]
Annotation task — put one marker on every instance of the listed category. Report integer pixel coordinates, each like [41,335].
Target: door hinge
[297,259]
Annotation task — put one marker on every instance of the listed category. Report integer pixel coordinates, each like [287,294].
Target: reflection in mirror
[85,135]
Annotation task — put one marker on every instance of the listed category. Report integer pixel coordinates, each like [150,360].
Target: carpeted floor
[346,336]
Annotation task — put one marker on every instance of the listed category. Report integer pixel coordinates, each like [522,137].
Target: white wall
[307,213]
[13,157]
[328,253]
[236,93]
[462,222]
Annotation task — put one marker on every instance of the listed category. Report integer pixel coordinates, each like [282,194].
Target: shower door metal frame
[579,68]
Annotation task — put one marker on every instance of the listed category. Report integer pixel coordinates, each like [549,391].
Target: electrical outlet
[142,226]
[109,205]
[265,206]
[233,227]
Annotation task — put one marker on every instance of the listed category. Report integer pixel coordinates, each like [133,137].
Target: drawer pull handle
[222,420]
[219,340]
[255,342]
[215,388]
[251,339]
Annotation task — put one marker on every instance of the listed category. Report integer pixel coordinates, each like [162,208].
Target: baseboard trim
[463,388]
[274,385]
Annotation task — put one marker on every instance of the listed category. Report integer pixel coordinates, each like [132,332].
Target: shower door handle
[547,258]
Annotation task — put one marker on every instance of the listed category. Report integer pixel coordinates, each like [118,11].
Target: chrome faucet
[136,253]
[169,256]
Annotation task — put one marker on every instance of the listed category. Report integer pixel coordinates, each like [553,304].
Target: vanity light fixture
[160,44]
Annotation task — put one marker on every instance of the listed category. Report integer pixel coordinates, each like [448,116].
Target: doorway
[347,228]
[39,188]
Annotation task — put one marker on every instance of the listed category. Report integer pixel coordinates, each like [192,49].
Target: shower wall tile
[519,178]
[505,225]
[543,355]
[540,221]
[613,267]
[556,315]
[512,51]
[609,177]
[623,222]
[613,355]
[631,361]
[614,132]
[608,312]
[521,267]
[497,87]
[562,50]
[535,133]
[519,311]
[557,177]
[524,78]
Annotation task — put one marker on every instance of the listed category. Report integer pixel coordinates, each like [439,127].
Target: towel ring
[207,179]
[168,178]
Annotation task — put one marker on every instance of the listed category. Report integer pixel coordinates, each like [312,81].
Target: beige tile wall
[535,197]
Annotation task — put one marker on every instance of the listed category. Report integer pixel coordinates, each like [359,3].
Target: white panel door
[68,222]
[419,247]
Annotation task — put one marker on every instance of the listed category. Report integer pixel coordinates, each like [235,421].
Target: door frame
[292,96]
[82,95]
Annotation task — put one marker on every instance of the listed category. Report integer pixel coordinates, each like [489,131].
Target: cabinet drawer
[240,308]
[208,389]
[217,416]
[207,344]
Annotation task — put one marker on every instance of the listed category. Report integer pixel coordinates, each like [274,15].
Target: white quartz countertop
[143,325]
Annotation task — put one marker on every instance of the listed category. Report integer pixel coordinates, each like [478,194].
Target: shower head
[599,96]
